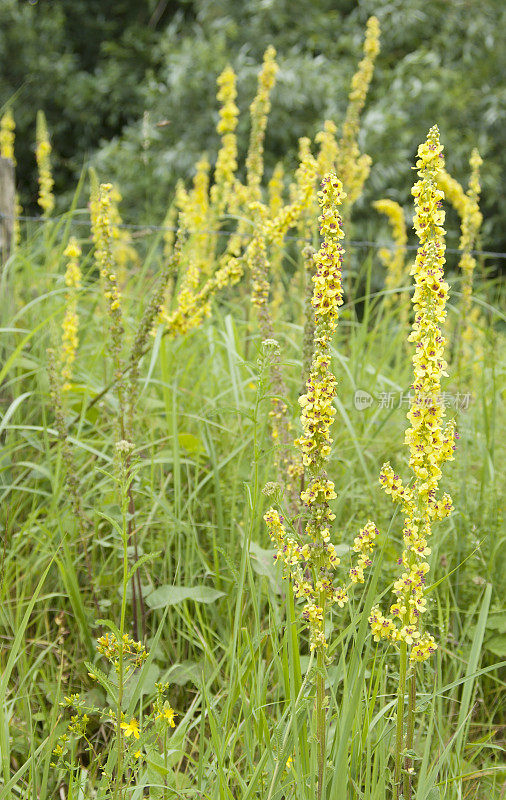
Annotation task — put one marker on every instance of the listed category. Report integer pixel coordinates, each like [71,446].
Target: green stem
[400,719]
[410,731]
[320,706]
[320,719]
[119,735]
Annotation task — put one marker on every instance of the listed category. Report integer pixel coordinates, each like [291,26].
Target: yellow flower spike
[327,155]
[7,135]
[70,323]
[467,206]
[430,444]
[43,156]
[193,307]
[275,188]
[259,112]
[395,261]
[312,562]
[226,163]
[352,167]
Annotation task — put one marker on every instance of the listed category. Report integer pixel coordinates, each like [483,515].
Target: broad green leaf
[173,595]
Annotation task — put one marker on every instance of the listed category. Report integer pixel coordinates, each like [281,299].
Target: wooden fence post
[7,209]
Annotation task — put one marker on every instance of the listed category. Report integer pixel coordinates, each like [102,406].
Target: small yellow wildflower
[131,728]
[167,715]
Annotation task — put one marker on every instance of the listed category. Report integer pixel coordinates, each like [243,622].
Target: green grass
[238,664]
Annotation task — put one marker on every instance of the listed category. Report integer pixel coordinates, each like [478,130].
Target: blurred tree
[133,86]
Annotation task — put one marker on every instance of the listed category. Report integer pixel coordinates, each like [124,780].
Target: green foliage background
[95,69]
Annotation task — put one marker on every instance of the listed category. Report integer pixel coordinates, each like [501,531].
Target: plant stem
[320,720]
[320,706]
[400,718]
[119,735]
[410,730]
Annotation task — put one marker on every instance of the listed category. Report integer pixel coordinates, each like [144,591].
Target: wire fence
[150,228]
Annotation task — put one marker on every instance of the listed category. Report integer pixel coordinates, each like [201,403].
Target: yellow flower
[7,135]
[167,715]
[352,167]
[226,163]
[259,112]
[43,156]
[131,728]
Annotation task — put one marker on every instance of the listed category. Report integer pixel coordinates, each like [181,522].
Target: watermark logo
[363,400]
[459,401]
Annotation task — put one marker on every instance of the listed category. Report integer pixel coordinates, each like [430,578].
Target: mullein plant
[353,166]
[43,156]
[344,156]
[70,325]
[269,233]
[431,444]
[7,140]
[309,557]
[259,111]
[226,162]
[394,259]
[467,205]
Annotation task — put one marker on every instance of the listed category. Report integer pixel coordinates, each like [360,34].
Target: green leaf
[173,595]
[497,645]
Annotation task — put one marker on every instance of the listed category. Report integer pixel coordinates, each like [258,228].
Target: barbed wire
[150,228]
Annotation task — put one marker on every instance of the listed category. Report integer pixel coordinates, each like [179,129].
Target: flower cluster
[226,163]
[275,189]
[194,307]
[70,323]
[430,445]
[393,261]
[43,156]
[103,237]
[302,199]
[467,206]
[7,135]
[259,111]
[327,155]
[195,216]
[113,648]
[351,165]
[312,560]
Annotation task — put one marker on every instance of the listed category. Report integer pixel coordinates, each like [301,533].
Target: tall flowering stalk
[430,443]
[328,151]
[7,139]
[226,163]
[352,166]
[310,559]
[467,205]
[70,325]
[394,260]
[43,156]
[259,111]
[268,234]
[7,135]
